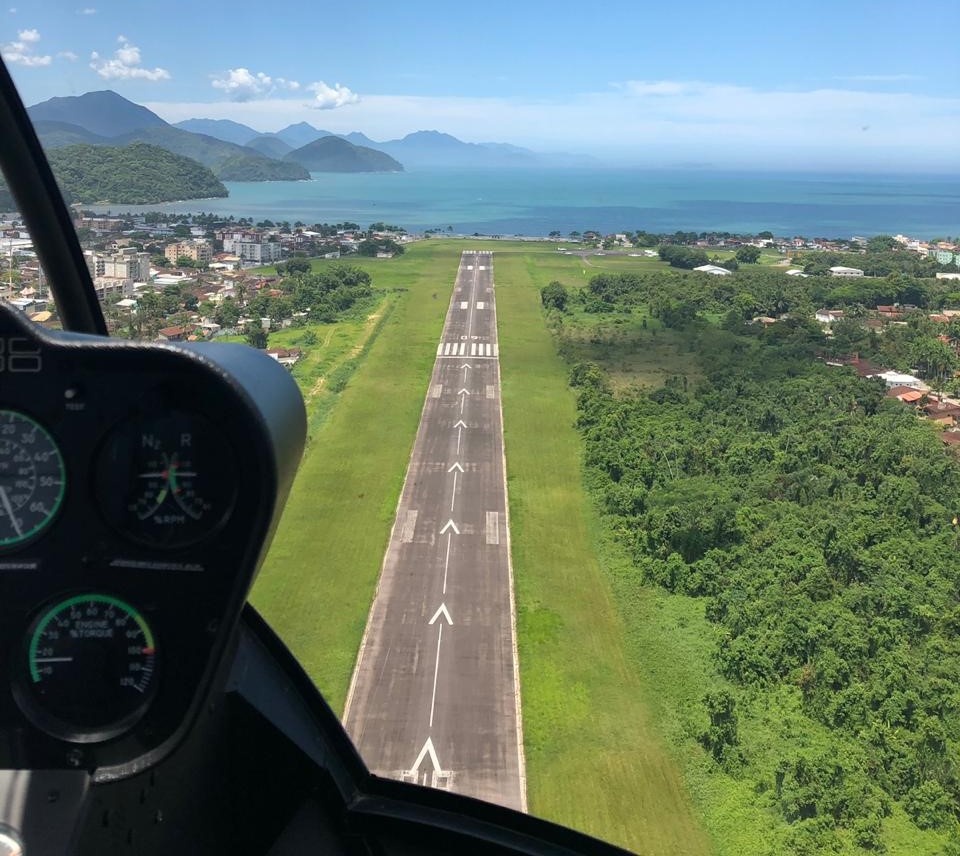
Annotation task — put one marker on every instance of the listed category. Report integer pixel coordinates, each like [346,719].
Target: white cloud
[331,97]
[125,64]
[68,55]
[241,84]
[659,87]
[13,10]
[22,51]
[87,11]
[881,78]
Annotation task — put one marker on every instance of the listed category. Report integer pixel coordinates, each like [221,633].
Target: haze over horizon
[840,86]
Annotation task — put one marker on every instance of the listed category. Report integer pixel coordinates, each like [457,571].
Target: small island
[334,154]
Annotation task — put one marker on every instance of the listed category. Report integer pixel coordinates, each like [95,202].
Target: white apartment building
[257,251]
[127,264]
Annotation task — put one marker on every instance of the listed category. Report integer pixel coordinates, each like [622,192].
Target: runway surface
[435,696]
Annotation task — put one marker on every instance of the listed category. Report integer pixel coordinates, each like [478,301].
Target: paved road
[435,694]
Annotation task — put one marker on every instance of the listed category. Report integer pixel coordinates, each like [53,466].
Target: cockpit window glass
[630,346]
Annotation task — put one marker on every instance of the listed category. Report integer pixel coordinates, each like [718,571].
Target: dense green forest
[812,518]
[131,175]
[242,168]
[325,296]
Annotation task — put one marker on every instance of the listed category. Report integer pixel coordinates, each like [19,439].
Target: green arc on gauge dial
[31,498]
[57,609]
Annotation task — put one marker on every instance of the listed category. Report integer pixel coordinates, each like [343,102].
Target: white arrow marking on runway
[463,393]
[441,611]
[427,750]
[456,466]
[450,525]
[465,367]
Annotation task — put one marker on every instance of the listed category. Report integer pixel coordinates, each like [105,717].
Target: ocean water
[536,202]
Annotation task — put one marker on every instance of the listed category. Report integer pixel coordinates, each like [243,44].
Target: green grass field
[612,671]
[594,758]
[317,583]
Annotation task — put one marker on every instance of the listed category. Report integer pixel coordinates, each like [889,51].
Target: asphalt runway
[435,696]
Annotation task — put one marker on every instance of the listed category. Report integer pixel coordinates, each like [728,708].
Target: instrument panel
[139,485]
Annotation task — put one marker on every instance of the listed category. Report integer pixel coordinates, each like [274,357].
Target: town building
[126,264]
[828,316]
[840,270]
[716,270]
[196,251]
[258,252]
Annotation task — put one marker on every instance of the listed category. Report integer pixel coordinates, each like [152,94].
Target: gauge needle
[8,510]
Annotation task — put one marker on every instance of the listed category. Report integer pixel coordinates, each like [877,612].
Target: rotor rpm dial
[32,478]
[90,668]
[167,480]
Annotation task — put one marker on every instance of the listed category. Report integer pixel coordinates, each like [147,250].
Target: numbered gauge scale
[166,480]
[32,478]
[90,662]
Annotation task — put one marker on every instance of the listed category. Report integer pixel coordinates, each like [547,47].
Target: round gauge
[166,481]
[90,668]
[32,479]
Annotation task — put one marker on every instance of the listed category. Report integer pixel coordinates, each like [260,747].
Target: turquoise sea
[536,202]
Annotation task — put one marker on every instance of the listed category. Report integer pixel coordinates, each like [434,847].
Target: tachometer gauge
[32,480]
[90,668]
[166,481]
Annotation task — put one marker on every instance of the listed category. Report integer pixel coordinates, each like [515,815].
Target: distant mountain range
[107,119]
[236,152]
[419,150]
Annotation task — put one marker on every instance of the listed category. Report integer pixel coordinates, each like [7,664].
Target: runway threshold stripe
[493,527]
[409,525]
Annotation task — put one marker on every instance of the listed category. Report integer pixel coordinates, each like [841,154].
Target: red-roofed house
[906,394]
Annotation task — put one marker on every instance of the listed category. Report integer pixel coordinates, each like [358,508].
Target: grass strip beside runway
[318,581]
[594,761]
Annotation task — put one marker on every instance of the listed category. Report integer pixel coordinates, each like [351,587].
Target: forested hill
[132,175]
[811,518]
[333,154]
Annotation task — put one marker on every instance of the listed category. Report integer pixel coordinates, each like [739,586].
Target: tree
[554,296]
[255,335]
[227,314]
[929,805]
[240,289]
[882,244]
[721,737]
[748,254]
[298,266]
[372,246]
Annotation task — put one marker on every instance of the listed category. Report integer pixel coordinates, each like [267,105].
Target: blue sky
[845,84]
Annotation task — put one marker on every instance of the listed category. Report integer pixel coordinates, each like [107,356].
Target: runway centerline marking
[446,563]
